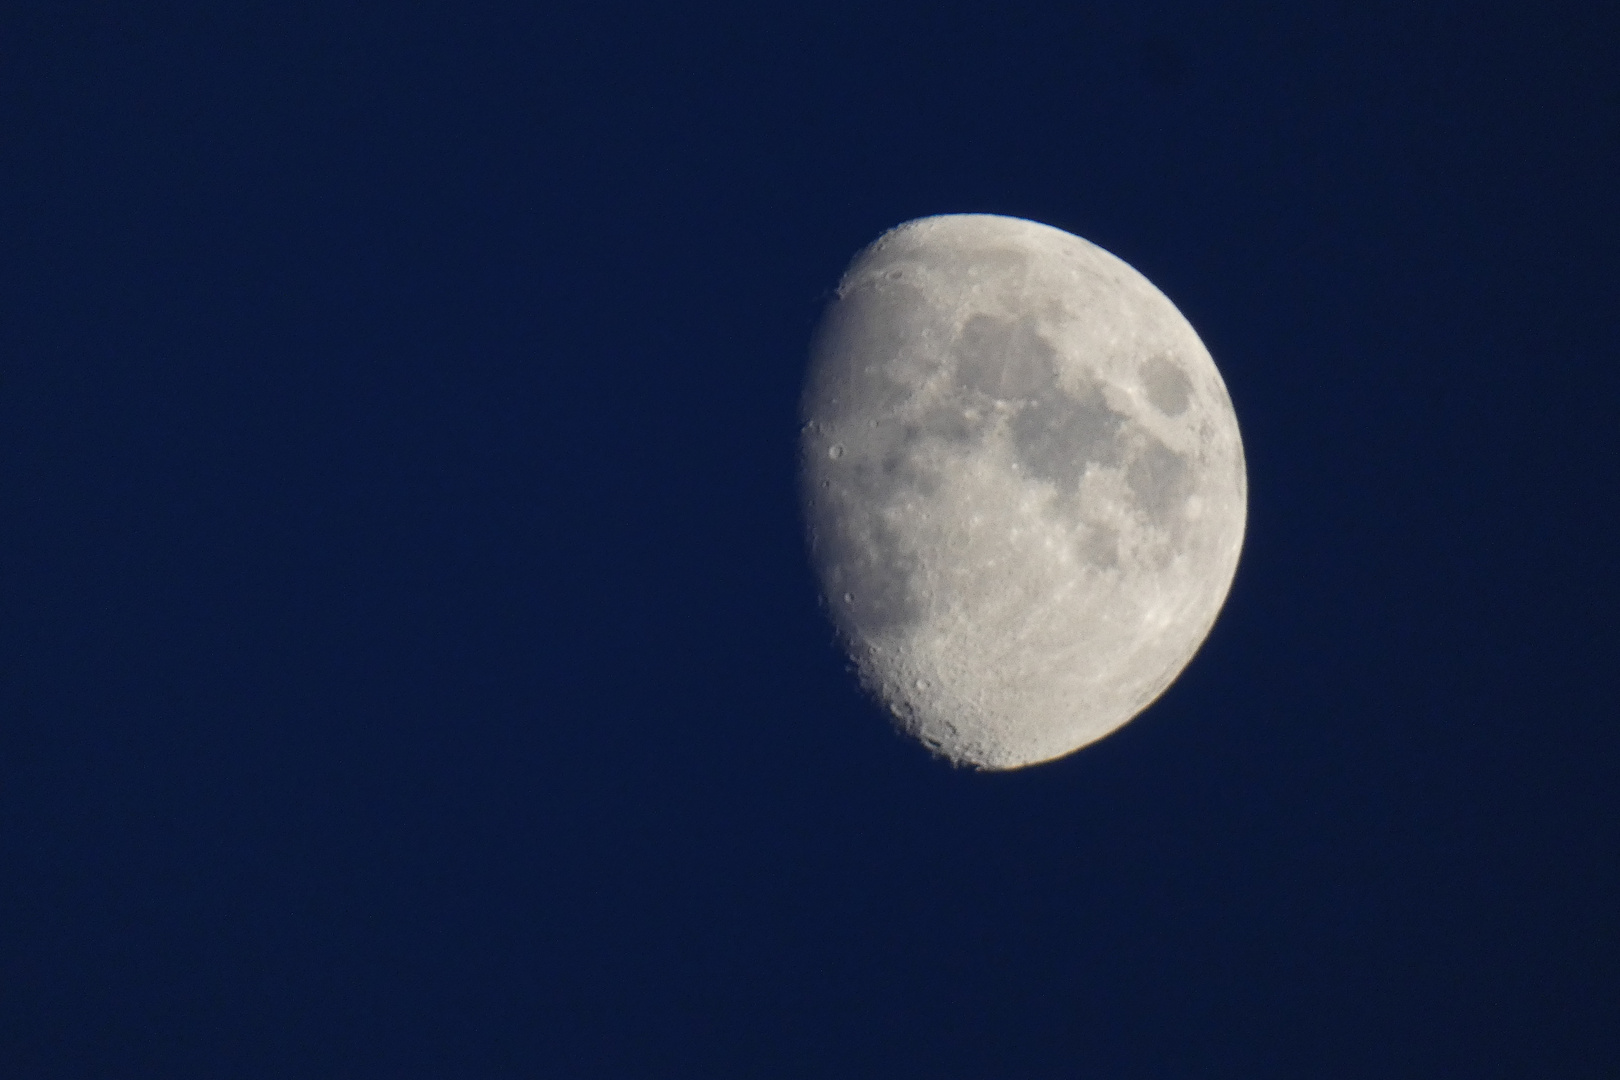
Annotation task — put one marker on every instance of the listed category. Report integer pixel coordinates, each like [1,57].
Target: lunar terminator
[1023,482]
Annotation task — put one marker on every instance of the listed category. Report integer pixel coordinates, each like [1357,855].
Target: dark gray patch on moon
[1161,481]
[1058,433]
[1167,386]
[898,470]
[1004,360]
[1100,546]
[951,423]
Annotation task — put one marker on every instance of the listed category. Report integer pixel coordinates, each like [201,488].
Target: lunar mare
[1023,483]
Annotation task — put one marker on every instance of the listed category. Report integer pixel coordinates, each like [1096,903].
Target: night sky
[409,661]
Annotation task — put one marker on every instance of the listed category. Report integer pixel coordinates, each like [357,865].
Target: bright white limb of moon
[1023,482]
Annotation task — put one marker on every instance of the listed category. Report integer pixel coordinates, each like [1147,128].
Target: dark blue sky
[409,666]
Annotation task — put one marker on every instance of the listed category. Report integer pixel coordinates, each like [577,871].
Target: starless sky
[411,666]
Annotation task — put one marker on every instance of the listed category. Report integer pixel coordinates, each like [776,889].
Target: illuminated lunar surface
[1023,482]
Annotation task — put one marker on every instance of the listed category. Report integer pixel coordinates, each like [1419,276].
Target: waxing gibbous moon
[1023,483]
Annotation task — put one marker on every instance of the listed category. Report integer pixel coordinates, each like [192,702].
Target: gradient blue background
[408,662]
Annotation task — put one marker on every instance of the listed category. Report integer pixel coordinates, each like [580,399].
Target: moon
[1023,485]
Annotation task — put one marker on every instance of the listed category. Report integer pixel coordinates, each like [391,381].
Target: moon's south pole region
[1023,484]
